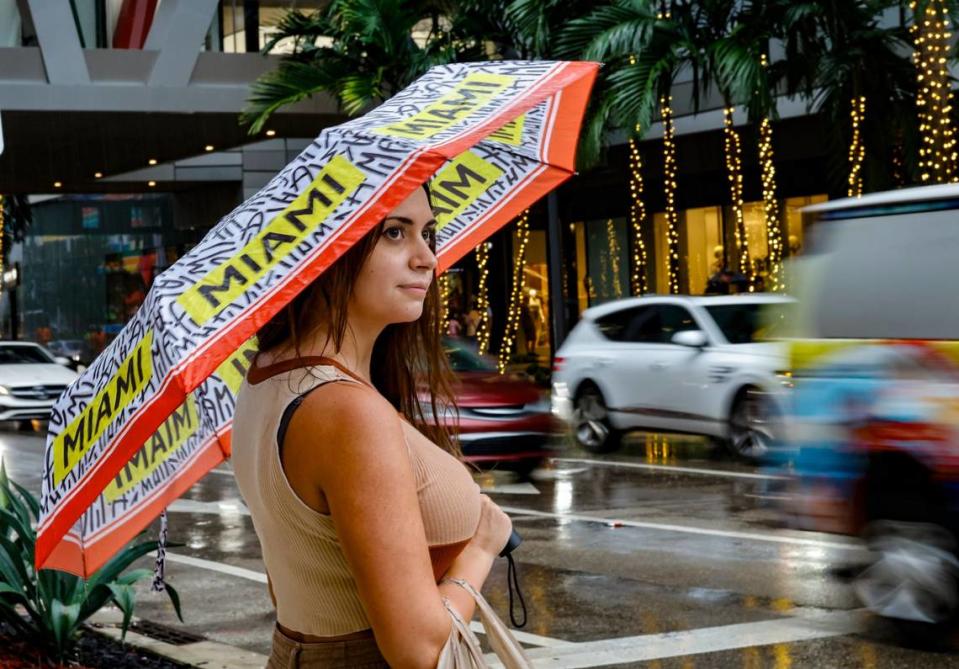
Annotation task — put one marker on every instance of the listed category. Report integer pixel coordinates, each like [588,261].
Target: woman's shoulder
[345,408]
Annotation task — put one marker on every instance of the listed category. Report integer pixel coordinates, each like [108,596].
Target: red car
[504,420]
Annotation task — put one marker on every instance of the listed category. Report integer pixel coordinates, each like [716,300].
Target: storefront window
[660,255]
[88,263]
[268,14]
[702,245]
[757,235]
[533,337]
[794,227]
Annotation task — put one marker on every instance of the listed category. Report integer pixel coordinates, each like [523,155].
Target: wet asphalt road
[627,562]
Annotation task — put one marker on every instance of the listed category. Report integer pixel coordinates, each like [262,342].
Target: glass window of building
[792,210]
[659,258]
[9,24]
[237,17]
[100,255]
[702,242]
[757,237]
[533,335]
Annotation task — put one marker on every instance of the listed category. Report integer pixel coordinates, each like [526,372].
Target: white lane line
[222,508]
[526,637]
[692,642]
[227,569]
[237,508]
[670,468]
[260,577]
[221,472]
[665,527]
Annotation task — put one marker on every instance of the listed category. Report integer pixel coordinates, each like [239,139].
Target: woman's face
[392,283]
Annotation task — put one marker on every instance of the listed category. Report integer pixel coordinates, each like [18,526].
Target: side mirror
[691,338]
[62,361]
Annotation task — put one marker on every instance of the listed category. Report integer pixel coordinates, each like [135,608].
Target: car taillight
[558,364]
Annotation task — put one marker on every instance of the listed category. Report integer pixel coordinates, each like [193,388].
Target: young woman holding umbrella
[362,509]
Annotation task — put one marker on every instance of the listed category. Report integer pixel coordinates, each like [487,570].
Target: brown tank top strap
[257,374]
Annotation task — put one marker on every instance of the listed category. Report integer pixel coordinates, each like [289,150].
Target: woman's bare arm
[359,460]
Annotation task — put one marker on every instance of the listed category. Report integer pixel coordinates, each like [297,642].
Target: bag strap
[501,640]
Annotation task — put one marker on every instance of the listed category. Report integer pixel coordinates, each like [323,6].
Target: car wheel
[591,425]
[912,579]
[750,430]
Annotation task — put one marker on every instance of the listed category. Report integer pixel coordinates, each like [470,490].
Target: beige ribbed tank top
[312,582]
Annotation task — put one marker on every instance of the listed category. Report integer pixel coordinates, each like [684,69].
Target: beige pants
[356,653]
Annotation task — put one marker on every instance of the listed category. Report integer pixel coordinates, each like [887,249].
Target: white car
[674,364]
[31,380]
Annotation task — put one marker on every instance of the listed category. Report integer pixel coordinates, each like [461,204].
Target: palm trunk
[482,298]
[734,172]
[669,176]
[937,150]
[516,296]
[857,149]
[637,218]
[771,207]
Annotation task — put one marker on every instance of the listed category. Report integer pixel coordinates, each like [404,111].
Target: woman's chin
[407,315]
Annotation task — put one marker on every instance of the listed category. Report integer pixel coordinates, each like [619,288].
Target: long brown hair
[407,357]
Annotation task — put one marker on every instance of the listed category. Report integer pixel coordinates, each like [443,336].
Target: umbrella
[153,413]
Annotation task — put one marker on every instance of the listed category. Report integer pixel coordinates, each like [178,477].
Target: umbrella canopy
[153,413]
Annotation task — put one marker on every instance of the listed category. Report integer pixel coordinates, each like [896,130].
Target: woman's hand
[493,530]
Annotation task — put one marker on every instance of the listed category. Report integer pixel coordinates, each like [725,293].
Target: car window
[749,322]
[613,326]
[659,323]
[23,355]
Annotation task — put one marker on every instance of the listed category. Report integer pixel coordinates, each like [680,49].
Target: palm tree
[854,71]
[645,45]
[359,51]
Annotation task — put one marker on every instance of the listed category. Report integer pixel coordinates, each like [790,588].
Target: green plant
[47,607]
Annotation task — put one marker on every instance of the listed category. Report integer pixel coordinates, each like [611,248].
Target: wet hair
[408,361]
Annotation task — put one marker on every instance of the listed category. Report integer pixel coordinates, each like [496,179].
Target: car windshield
[751,321]
[464,360]
[23,355]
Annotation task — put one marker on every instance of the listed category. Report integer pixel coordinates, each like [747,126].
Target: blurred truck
[873,425]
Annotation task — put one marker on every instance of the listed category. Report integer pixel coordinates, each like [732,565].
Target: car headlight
[785,378]
[4,390]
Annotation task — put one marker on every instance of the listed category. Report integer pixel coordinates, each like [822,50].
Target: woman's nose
[424,257]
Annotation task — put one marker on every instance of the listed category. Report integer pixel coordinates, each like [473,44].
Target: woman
[360,505]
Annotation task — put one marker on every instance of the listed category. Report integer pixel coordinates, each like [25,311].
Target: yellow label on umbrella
[174,432]
[466,98]
[511,133]
[458,185]
[84,430]
[338,179]
[233,370]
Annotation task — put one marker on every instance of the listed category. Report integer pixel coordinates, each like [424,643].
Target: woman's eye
[389,232]
[429,235]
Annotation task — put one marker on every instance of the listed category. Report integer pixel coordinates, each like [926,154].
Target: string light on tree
[857,149]
[482,297]
[931,34]
[444,301]
[771,206]
[637,219]
[669,177]
[734,172]
[614,257]
[516,296]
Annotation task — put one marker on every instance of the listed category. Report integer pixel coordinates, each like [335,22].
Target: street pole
[557,305]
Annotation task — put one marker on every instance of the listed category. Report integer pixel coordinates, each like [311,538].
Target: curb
[205,654]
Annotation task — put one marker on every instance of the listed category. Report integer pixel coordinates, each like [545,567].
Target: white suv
[674,364]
